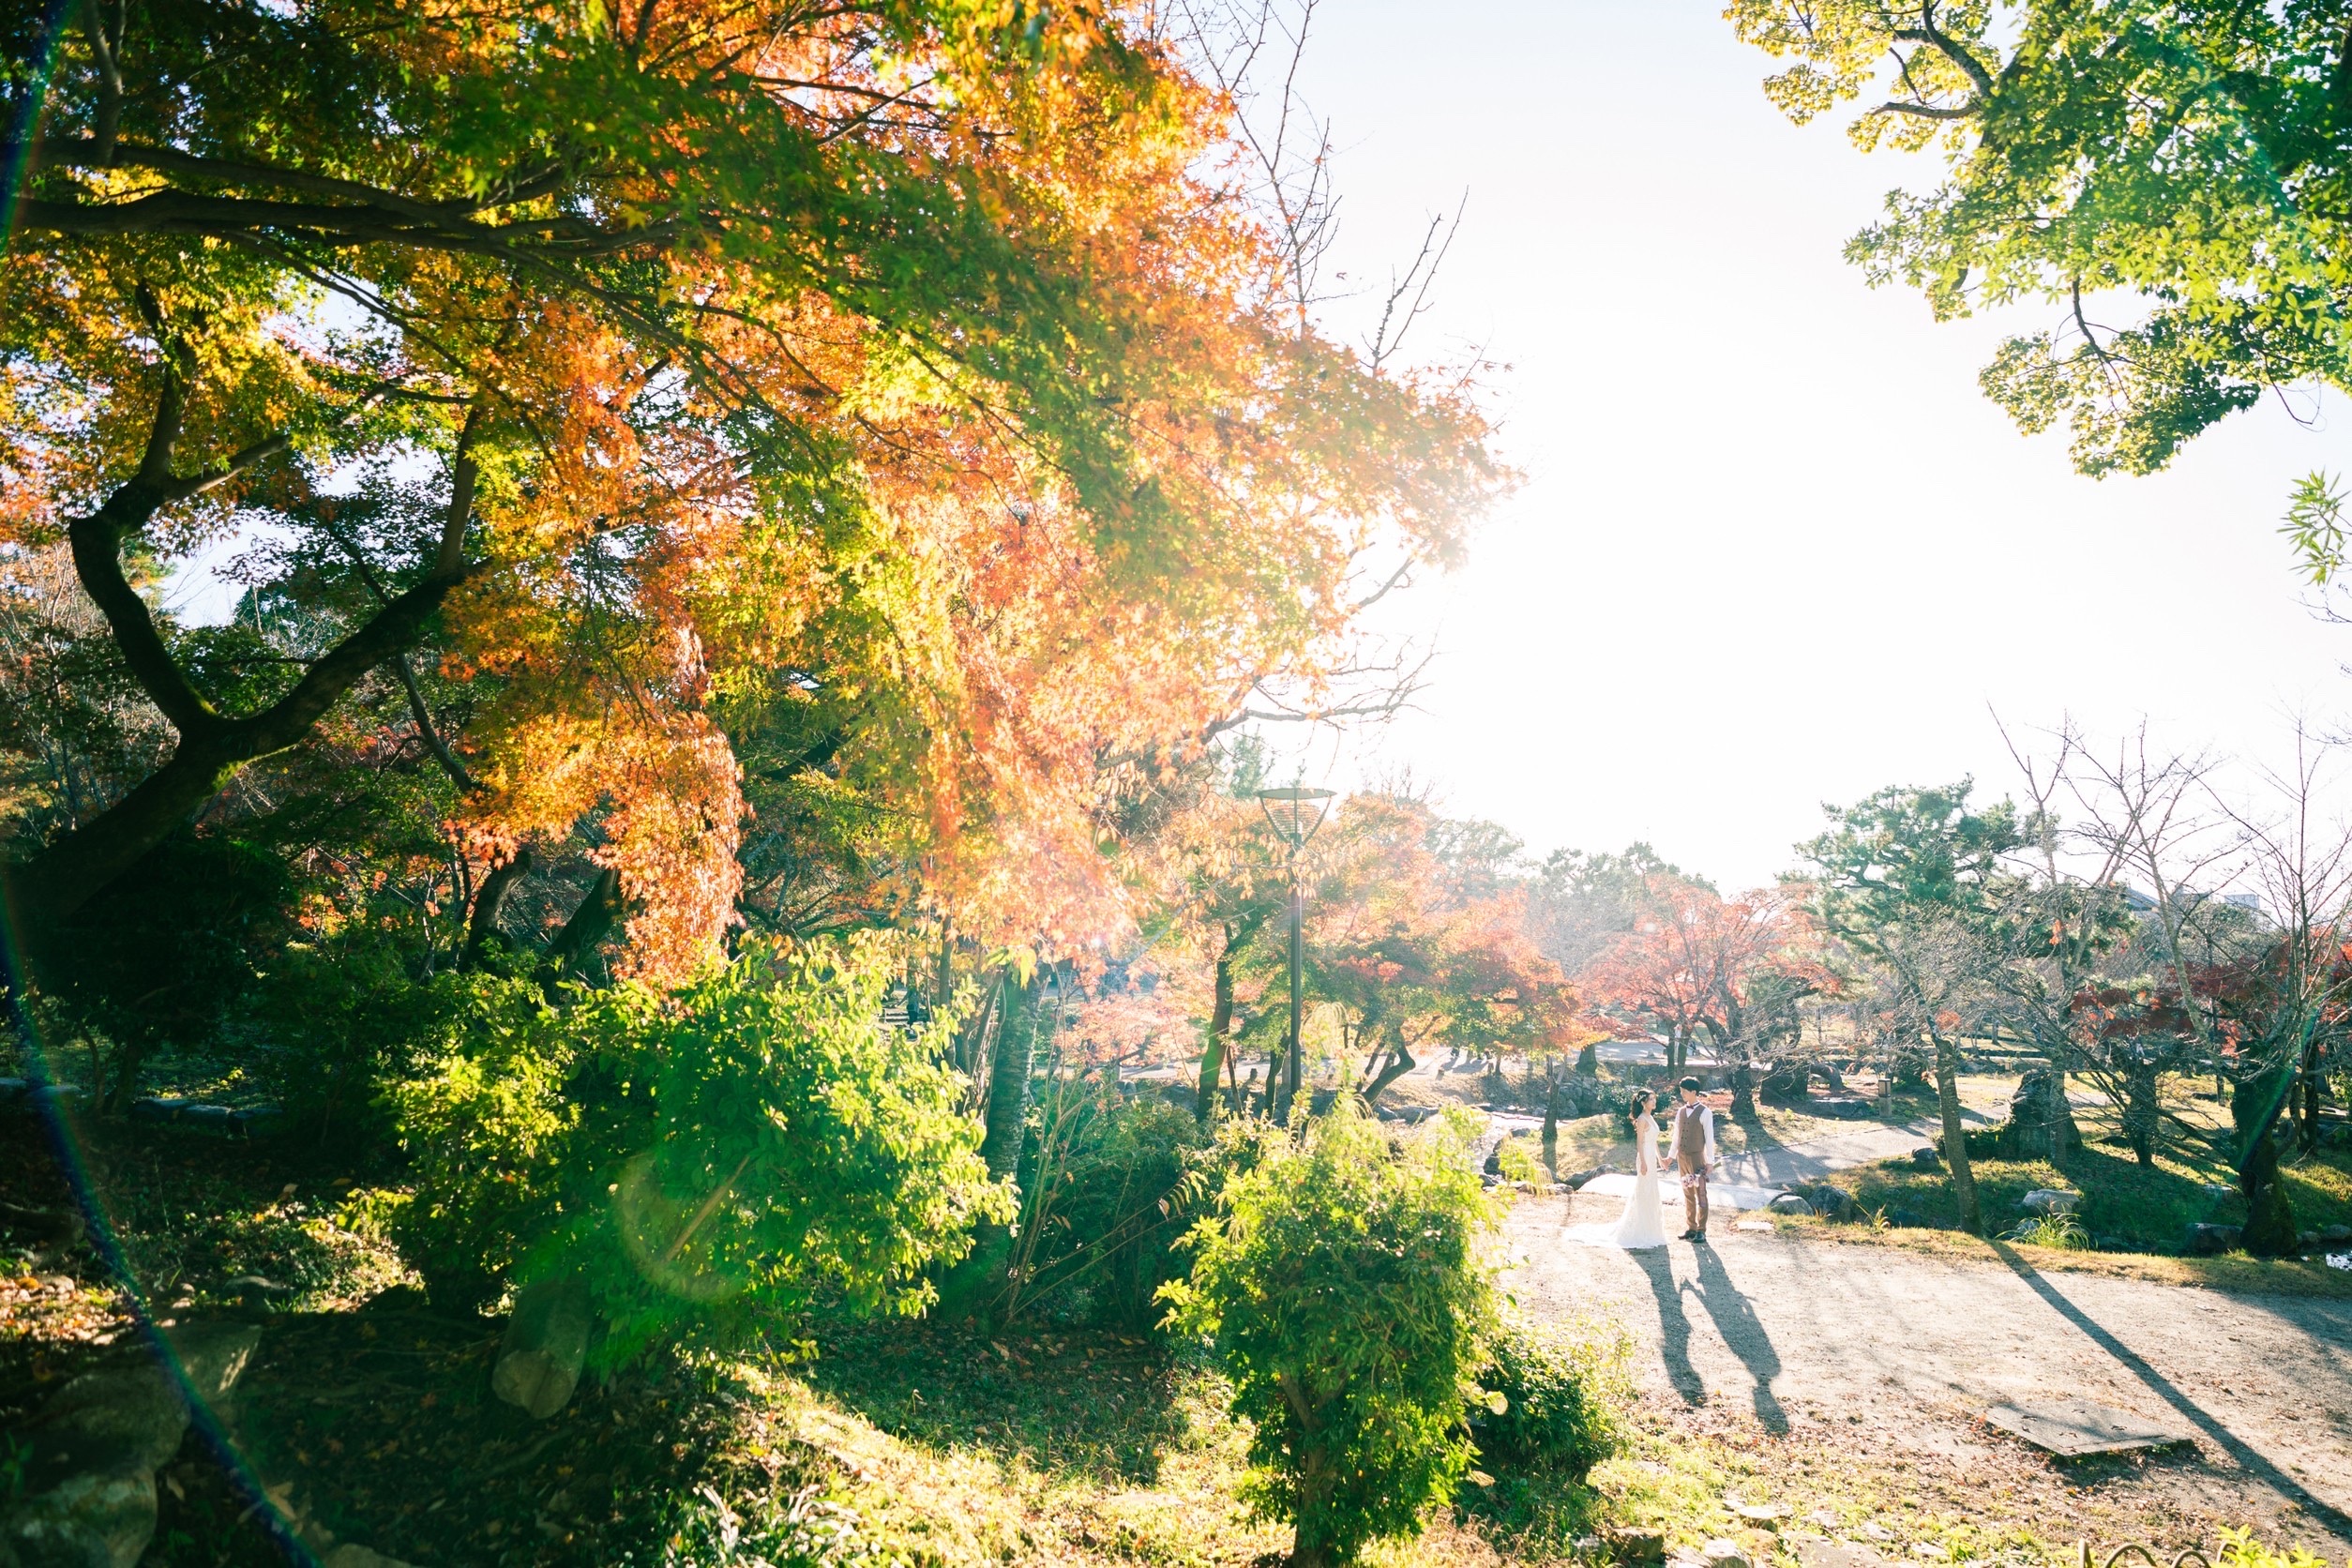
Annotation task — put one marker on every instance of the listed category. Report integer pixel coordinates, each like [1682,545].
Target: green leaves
[713,1157]
[2315,526]
[2186,163]
[1344,1290]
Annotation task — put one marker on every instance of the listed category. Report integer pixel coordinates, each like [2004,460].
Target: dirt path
[1789,1331]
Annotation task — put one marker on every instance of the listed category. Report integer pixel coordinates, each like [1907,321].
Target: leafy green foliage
[486,1125]
[725,1152]
[1566,1398]
[2062,1231]
[1342,1288]
[806,1530]
[2191,158]
[1106,1182]
[2315,526]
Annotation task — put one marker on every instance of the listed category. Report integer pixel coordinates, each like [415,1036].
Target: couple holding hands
[1692,1153]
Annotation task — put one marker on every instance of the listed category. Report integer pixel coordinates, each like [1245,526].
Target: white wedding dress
[1643,1225]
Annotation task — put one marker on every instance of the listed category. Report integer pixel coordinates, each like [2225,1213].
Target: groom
[1693,1156]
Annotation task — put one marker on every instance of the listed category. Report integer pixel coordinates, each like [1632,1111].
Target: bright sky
[1774,548]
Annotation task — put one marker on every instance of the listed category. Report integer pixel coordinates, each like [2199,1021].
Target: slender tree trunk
[2307,1137]
[1957,1135]
[1213,1052]
[1400,1062]
[1009,1082]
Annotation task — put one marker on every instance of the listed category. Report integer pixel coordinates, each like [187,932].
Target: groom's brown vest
[1690,1137]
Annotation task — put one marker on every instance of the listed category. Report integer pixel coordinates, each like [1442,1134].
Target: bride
[1642,1225]
[1644,1222]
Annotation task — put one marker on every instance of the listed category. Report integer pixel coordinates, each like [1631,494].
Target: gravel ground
[1793,1333]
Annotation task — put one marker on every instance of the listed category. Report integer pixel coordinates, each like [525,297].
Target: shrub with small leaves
[1564,1394]
[1344,1290]
[806,1529]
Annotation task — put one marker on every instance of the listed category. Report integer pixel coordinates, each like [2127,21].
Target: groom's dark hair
[1689,1084]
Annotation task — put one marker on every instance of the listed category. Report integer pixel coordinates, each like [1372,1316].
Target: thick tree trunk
[2255,1106]
[482,925]
[590,923]
[213,746]
[1957,1135]
[2139,1113]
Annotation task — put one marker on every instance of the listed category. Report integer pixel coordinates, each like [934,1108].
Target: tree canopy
[880,419]
[2188,164]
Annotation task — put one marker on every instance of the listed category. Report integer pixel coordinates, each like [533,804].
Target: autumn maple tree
[864,428]
[1416,930]
[1699,967]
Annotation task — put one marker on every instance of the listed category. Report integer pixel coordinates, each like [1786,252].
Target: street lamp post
[1294,814]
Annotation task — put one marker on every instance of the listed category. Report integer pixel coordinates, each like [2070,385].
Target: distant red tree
[1697,966]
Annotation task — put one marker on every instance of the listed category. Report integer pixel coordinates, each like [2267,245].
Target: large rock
[2040,1124]
[2208,1241]
[90,1520]
[2049,1200]
[1791,1203]
[87,1499]
[1830,1199]
[546,1345]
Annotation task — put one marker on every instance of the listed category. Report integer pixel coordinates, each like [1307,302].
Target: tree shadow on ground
[1088,1402]
[2209,1426]
[380,1429]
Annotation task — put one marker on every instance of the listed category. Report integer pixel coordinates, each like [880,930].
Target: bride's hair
[1640,1102]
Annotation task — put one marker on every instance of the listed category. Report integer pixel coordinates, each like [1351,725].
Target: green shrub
[1104,1181]
[1342,1289]
[803,1530]
[716,1155]
[487,1130]
[2063,1232]
[1517,1159]
[1565,1392]
[2240,1549]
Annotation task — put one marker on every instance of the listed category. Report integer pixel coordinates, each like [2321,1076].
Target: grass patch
[2235,1274]
[2125,1206]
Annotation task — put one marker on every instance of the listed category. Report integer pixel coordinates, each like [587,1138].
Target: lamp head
[1294,814]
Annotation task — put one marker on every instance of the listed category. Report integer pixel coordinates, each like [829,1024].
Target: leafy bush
[803,1530]
[1104,1181]
[2240,1549]
[1515,1160]
[2063,1232]
[487,1130]
[1565,1396]
[717,1154]
[1342,1288]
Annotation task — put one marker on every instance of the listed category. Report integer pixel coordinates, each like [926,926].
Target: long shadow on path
[1674,1327]
[2223,1438]
[1734,1319]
